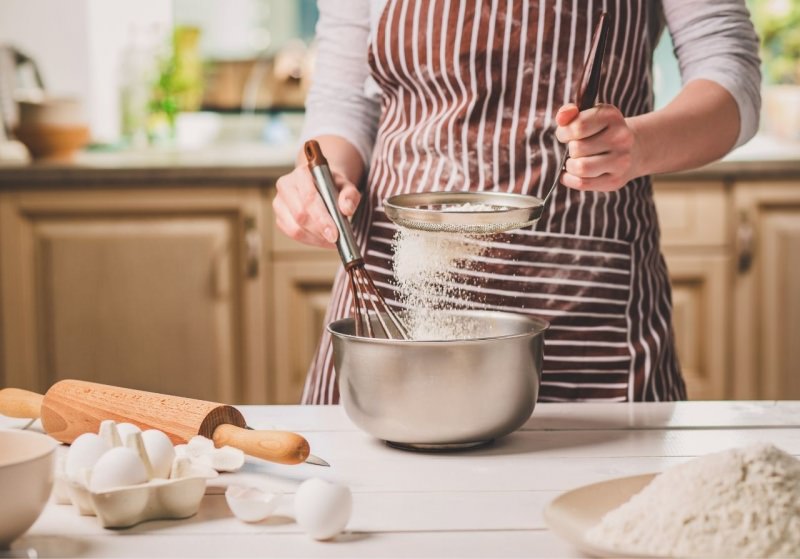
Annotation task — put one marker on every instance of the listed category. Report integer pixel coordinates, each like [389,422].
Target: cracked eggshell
[250,504]
[322,508]
[199,445]
[202,453]
[125,429]
[83,454]
[160,452]
[109,433]
[227,459]
[119,467]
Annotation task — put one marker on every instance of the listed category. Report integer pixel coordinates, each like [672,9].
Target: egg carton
[172,486]
[126,506]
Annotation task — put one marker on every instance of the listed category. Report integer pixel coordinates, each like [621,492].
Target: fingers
[591,166]
[587,123]
[602,183]
[617,138]
[304,202]
[567,114]
[286,223]
[349,196]
[302,215]
[601,147]
[298,205]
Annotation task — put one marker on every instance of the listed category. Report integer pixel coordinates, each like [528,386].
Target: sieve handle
[318,165]
[589,87]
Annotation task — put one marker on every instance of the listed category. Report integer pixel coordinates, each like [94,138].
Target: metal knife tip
[317,461]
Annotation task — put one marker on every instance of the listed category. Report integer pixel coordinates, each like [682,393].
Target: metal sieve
[440,212]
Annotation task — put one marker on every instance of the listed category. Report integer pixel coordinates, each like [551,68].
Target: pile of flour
[737,503]
[427,270]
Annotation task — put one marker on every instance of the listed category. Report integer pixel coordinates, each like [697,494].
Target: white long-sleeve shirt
[713,40]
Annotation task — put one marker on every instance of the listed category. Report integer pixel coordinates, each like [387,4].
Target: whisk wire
[382,309]
[362,288]
[354,292]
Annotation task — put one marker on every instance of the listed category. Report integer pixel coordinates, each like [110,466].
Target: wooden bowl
[53,142]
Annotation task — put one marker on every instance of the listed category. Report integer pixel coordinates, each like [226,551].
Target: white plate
[574,513]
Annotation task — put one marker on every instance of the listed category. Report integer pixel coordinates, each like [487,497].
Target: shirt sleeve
[337,103]
[716,41]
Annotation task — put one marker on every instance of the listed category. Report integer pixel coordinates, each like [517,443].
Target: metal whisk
[367,300]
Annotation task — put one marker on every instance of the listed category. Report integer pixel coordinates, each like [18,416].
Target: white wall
[78,43]
[111,23]
[55,34]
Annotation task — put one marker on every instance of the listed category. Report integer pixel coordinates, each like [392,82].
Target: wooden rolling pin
[73,407]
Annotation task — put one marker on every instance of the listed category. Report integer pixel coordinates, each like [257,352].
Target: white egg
[82,455]
[160,452]
[125,429]
[322,508]
[118,467]
[250,504]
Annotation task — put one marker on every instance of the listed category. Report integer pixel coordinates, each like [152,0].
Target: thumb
[349,197]
[567,114]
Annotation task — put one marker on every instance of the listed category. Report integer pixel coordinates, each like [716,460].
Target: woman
[475,95]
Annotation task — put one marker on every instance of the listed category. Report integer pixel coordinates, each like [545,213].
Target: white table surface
[486,502]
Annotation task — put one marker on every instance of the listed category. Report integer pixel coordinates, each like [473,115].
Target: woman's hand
[300,212]
[602,148]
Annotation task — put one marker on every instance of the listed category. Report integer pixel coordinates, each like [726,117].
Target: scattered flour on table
[738,503]
[427,269]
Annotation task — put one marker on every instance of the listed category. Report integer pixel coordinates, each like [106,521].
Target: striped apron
[469,93]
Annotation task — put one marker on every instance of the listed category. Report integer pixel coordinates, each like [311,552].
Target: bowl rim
[541,325]
[51,446]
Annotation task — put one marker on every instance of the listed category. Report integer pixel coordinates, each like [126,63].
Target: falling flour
[737,503]
[427,270]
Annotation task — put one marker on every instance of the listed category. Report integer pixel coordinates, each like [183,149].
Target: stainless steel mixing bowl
[441,394]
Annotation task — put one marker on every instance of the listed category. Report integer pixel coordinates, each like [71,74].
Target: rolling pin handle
[15,402]
[282,447]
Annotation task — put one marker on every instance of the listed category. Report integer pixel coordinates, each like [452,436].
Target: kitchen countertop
[762,157]
[486,502]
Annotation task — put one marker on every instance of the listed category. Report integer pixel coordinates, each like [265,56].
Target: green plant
[778,25]
[179,84]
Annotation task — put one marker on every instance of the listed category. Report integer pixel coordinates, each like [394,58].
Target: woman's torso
[469,91]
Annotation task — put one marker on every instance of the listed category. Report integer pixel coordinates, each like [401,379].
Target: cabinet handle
[252,247]
[745,240]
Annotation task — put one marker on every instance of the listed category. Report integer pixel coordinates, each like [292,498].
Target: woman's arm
[699,126]
[716,110]
[607,150]
[340,117]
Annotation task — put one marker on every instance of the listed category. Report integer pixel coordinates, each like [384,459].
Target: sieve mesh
[473,229]
[438,211]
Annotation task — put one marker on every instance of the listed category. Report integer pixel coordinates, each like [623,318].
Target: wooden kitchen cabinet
[176,279]
[300,288]
[147,288]
[767,290]
[695,239]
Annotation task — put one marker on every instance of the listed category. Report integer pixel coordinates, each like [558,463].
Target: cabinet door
[302,290]
[700,318]
[767,324]
[144,289]
[693,216]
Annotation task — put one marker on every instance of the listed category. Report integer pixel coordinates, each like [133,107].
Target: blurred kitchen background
[139,147]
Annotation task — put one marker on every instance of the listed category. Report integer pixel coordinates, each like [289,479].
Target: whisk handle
[318,165]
